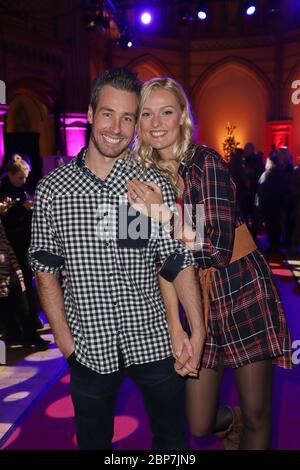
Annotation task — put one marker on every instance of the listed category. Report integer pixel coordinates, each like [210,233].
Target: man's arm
[46,257]
[181,346]
[188,290]
[52,301]
[178,267]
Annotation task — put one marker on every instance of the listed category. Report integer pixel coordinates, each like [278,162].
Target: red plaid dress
[246,321]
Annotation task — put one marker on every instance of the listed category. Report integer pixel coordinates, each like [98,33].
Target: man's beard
[93,139]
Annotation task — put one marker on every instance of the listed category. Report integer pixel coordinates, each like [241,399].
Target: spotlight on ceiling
[125,41]
[250,8]
[146,17]
[202,12]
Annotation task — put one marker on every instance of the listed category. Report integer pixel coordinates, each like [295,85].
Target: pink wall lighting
[3,111]
[74,126]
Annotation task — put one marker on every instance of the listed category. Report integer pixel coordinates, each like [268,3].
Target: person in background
[253,168]
[246,326]
[20,328]
[17,222]
[295,191]
[237,169]
[273,194]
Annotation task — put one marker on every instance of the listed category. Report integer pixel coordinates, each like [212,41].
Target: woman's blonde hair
[149,157]
[16,164]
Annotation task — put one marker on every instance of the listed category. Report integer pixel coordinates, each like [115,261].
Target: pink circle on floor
[62,408]
[124,426]
[12,438]
[65,379]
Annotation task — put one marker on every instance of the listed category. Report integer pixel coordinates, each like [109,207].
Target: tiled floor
[25,377]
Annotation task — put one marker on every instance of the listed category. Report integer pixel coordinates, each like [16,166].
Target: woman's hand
[6,205]
[146,197]
[28,205]
[183,352]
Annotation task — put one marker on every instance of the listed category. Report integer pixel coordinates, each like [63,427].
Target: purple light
[3,112]
[146,17]
[75,130]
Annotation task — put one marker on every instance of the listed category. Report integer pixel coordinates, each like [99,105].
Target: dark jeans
[94,397]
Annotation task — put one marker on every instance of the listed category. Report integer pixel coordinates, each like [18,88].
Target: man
[112,312]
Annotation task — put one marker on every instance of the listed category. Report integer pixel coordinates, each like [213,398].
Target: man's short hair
[119,78]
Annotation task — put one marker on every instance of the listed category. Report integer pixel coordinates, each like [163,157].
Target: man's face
[113,122]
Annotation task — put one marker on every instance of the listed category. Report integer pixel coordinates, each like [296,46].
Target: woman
[17,221]
[246,327]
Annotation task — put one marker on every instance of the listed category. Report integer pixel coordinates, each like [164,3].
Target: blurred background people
[253,169]
[17,221]
[273,194]
[15,312]
[295,192]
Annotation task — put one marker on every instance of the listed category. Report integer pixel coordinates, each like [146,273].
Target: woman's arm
[181,346]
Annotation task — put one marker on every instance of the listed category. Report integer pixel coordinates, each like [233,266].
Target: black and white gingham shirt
[112,296]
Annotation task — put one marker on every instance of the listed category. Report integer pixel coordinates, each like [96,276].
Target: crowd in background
[269,195]
[18,305]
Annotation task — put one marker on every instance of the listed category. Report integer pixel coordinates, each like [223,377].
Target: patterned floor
[36,410]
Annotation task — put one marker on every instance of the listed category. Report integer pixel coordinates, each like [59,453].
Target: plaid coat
[246,321]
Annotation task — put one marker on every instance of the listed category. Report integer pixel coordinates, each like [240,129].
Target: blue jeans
[94,397]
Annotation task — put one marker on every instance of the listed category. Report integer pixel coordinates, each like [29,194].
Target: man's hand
[52,301]
[183,352]
[197,341]
[65,345]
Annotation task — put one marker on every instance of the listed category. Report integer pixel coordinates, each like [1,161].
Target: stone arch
[31,102]
[248,67]
[148,66]
[219,97]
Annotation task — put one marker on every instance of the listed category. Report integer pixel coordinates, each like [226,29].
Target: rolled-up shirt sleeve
[173,255]
[45,252]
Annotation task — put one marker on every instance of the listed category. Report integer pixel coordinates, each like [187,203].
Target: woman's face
[18,179]
[160,121]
